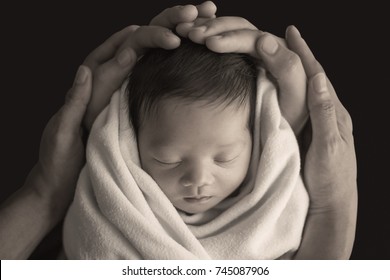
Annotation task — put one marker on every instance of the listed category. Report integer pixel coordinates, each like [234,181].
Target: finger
[312,68]
[146,37]
[322,110]
[172,16]
[76,102]
[108,77]
[286,67]
[185,27]
[311,65]
[108,49]
[298,45]
[218,25]
[237,41]
[207,9]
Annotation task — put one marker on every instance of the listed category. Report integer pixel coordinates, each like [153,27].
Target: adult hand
[235,34]
[112,61]
[61,153]
[329,166]
[28,215]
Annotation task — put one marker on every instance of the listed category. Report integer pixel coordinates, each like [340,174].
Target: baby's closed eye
[167,161]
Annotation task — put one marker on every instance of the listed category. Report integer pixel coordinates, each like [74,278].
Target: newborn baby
[191,160]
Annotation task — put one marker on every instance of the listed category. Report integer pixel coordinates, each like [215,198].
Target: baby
[193,111]
[195,167]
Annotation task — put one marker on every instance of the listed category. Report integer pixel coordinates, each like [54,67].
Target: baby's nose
[197,176]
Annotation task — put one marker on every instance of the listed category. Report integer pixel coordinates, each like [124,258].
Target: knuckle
[327,107]
[92,61]
[58,132]
[204,21]
[291,64]
[214,23]
[246,23]
[171,12]
[315,66]
[168,10]
[69,95]
[324,108]
[220,19]
[333,146]
[345,119]
[100,74]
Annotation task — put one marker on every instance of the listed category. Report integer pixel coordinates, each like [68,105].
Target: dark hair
[191,72]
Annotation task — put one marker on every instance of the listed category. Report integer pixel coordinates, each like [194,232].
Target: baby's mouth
[197,199]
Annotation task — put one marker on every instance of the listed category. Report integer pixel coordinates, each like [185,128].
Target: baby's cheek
[166,179]
[232,179]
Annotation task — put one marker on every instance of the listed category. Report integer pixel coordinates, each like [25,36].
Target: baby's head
[193,112]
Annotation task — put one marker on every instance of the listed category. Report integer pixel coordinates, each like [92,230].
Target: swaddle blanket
[119,211]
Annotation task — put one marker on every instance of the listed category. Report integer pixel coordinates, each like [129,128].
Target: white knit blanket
[119,211]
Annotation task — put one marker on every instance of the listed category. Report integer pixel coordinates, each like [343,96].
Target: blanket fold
[119,211]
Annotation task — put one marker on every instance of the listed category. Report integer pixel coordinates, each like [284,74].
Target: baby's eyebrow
[161,144]
[232,144]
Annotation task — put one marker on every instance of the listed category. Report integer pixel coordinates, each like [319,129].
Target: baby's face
[197,153]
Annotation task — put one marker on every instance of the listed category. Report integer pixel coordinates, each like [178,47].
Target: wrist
[339,205]
[329,233]
[53,206]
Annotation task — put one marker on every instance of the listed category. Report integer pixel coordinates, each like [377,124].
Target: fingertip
[82,74]
[292,32]
[81,88]
[188,13]
[295,30]
[268,45]
[207,9]
[183,28]
[214,43]
[170,40]
[197,35]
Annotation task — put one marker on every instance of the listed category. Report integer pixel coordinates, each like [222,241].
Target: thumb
[322,110]
[76,101]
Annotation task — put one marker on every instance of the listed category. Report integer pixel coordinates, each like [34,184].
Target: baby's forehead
[172,104]
[175,119]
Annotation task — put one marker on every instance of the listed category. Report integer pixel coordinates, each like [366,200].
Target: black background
[43,45]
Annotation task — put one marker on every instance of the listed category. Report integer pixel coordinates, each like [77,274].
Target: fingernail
[81,75]
[169,33]
[124,58]
[270,46]
[216,37]
[319,83]
[200,28]
[288,29]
